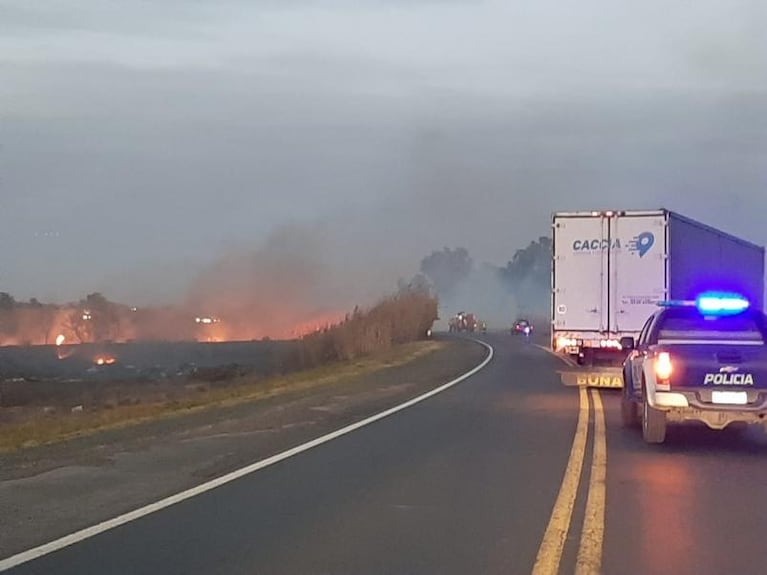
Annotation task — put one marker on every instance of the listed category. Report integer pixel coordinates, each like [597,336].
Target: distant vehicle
[522,327]
[702,360]
[610,269]
[463,322]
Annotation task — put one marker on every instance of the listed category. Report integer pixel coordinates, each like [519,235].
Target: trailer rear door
[581,248]
[637,270]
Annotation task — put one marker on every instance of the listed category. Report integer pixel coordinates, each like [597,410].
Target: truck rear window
[679,326]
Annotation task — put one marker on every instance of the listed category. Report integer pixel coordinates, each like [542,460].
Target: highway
[508,471]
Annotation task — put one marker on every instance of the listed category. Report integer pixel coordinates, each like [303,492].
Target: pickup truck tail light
[663,366]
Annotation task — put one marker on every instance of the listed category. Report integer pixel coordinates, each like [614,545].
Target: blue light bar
[716,303]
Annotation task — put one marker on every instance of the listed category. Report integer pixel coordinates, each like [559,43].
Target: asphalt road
[503,473]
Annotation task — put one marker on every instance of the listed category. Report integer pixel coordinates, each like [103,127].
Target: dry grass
[41,428]
[395,320]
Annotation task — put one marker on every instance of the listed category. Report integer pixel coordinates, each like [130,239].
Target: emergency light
[713,303]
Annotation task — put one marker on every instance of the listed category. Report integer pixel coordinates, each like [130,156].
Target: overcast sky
[141,140]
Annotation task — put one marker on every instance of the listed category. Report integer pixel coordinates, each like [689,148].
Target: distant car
[522,327]
[702,360]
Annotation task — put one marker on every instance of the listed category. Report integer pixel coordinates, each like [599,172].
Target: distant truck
[463,322]
[610,269]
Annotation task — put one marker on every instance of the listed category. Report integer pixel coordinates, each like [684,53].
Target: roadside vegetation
[403,318]
[391,333]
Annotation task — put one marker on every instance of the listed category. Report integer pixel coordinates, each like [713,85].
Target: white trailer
[611,268]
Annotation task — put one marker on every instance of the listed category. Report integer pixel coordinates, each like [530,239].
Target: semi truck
[610,270]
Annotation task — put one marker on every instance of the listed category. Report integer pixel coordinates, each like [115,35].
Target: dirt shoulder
[51,490]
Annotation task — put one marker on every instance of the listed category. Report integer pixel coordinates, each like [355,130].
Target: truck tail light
[610,344]
[663,366]
[563,342]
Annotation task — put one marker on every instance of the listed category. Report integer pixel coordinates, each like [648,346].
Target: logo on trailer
[642,244]
[639,245]
[595,245]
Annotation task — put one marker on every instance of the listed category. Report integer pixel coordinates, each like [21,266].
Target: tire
[629,415]
[653,423]
[629,409]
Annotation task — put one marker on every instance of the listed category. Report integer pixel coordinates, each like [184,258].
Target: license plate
[729,397]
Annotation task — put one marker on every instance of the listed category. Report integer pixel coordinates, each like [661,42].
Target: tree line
[526,276]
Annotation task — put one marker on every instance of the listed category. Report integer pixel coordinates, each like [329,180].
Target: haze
[144,143]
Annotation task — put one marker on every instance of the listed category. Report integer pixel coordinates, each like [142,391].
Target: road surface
[509,471]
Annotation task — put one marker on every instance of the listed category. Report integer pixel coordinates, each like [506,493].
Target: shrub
[401,318]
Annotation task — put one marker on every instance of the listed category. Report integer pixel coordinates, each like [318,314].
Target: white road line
[559,356]
[89,532]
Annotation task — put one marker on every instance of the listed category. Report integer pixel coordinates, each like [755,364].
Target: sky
[142,143]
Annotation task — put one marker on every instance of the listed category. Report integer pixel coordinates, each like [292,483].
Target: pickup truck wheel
[629,412]
[653,423]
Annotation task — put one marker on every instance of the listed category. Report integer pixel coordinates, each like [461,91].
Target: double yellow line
[592,534]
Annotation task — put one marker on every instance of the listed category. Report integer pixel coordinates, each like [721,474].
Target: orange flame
[104,360]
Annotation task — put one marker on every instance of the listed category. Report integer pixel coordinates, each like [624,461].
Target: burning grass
[390,333]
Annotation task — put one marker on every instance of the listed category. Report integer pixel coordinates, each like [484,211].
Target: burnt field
[55,390]
[43,373]
[138,360]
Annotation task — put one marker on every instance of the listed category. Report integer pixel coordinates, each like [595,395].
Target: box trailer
[611,268]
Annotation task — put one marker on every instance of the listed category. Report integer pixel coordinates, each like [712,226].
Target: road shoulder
[50,491]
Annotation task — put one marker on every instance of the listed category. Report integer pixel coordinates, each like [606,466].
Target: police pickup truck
[702,360]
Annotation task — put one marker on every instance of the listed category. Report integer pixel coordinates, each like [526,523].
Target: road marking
[550,551]
[592,536]
[89,532]
[559,356]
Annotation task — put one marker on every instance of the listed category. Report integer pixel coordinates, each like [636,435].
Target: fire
[62,352]
[318,323]
[104,360]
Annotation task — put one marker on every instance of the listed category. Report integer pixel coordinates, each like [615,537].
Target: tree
[102,315]
[532,263]
[447,268]
[528,274]
[78,325]
[8,316]
[7,302]
[47,320]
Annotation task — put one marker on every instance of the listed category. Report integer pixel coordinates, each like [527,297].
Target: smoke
[300,279]
[484,294]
